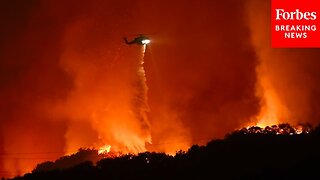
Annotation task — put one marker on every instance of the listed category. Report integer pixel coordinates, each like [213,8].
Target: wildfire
[273,111]
[104,149]
[281,129]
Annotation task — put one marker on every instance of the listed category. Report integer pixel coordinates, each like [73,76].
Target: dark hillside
[252,153]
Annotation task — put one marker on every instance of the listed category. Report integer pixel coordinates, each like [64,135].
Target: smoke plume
[68,81]
[287,78]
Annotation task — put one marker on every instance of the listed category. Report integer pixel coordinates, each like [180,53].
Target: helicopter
[140,40]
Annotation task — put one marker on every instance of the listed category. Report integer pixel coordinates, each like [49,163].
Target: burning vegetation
[68,81]
[288,153]
[281,129]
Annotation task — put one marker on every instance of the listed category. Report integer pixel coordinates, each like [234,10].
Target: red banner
[295,23]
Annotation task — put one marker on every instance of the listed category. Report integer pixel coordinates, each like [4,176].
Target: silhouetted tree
[249,153]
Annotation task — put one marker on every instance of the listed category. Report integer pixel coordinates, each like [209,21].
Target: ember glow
[281,129]
[104,149]
[68,81]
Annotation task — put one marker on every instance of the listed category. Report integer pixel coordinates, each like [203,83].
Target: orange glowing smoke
[273,111]
[68,81]
[287,79]
[111,108]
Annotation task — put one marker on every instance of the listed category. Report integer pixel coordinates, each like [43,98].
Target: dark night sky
[67,80]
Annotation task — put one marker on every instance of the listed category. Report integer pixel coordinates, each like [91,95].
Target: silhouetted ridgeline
[245,154]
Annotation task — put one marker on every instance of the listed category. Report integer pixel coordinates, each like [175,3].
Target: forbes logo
[294,23]
[281,14]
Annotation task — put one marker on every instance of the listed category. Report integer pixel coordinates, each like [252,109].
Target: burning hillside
[275,152]
[281,129]
[69,81]
[95,155]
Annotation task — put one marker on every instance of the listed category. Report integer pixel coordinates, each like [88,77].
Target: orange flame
[272,110]
[104,149]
